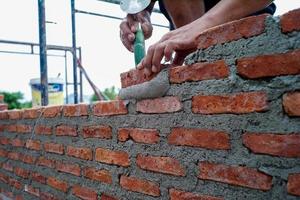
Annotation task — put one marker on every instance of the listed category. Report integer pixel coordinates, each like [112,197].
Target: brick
[182,195]
[32,113]
[23,128]
[139,185]
[291,103]
[15,183]
[11,128]
[7,166]
[3,106]
[43,130]
[33,145]
[13,155]
[14,114]
[1,98]
[165,165]
[110,108]
[75,110]
[52,111]
[209,139]
[98,175]
[3,115]
[107,197]
[4,178]
[27,159]
[239,103]
[42,161]
[54,148]
[199,72]
[134,77]
[287,145]
[48,196]
[64,130]
[79,152]
[38,177]
[289,21]
[159,105]
[84,193]
[107,156]
[31,190]
[293,184]
[103,132]
[3,153]
[21,172]
[235,175]
[147,136]
[4,141]
[68,168]
[18,197]
[269,65]
[2,127]
[235,30]
[57,184]
[17,142]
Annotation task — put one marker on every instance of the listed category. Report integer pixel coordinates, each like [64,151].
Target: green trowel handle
[139,46]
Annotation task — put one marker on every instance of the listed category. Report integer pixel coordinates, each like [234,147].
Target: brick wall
[228,128]
[3,106]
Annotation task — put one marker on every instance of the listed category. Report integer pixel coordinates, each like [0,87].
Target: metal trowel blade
[134,6]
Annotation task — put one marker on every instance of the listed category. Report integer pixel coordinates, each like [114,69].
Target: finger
[147,62]
[127,37]
[157,57]
[168,51]
[147,29]
[178,59]
[140,66]
[132,22]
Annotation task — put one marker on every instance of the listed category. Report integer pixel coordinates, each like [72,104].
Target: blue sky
[104,57]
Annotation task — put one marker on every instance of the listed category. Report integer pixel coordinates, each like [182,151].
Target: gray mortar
[274,120]
[156,87]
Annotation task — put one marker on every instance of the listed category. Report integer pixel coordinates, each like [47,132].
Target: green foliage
[109,94]
[13,99]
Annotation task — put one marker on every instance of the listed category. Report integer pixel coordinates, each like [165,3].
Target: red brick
[46,162]
[182,195]
[3,106]
[199,72]
[107,197]
[291,103]
[159,105]
[78,152]
[27,159]
[134,77]
[33,144]
[4,140]
[7,166]
[43,130]
[120,158]
[235,30]
[239,103]
[209,139]
[97,175]
[108,108]
[38,177]
[15,183]
[11,128]
[17,142]
[289,21]
[57,184]
[64,130]
[139,185]
[54,148]
[68,168]
[293,184]
[75,110]
[84,193]
[23,128]
[4,178]
[103,132]
[235,175]
[52,111]
[147,136]
[47,196]
[2,127]
[13,155]
[164,165]
[18,197]
[32,190]
[21,172]
[32,113]
[14,114]
[3,115]
[269,65]
[287,145]
[3,153]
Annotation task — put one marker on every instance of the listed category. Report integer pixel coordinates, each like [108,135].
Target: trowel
[133,7]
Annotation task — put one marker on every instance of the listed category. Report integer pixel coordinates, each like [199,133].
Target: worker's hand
[178,43]
[128,28]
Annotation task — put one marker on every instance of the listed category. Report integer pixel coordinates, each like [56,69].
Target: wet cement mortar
[273,120]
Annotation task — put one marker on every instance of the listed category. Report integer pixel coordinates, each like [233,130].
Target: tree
[109,94]
[13,99]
